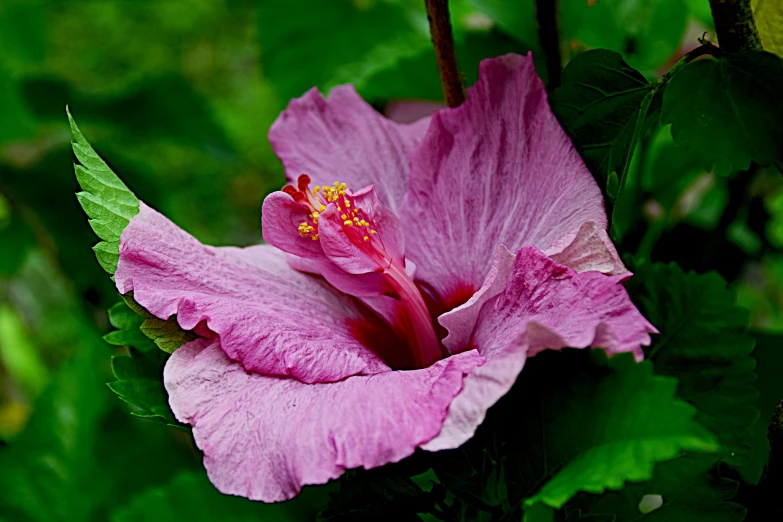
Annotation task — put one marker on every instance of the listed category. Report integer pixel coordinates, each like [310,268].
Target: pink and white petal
[280,219]
[498,169]
[342,138]
[588,248]
[269,317]
[556,307]
[482,388]
[545,305]
[265,437]
[461,321]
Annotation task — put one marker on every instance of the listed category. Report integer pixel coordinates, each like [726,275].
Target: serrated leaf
[106,200]
[140,384]
[602,104]
[128,333]
[190,496]
[167,334]
[140,374]
[629,421]
[690,491]
[574,421]
[728,110]
[704,346]
[769,369]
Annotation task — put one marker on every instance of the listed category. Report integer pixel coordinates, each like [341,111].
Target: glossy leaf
[602,104]
[703,345]
[728,110]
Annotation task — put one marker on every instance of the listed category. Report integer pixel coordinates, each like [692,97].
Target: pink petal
[265,437]
[359,259]
[545,305]
[280,217]
[269,317]
[361,285]
[342,138]
[588,248]
[461,321]
[558,307]
[498,169]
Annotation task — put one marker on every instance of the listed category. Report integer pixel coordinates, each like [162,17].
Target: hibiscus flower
[410,270]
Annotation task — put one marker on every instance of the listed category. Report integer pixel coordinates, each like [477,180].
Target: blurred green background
[178,96]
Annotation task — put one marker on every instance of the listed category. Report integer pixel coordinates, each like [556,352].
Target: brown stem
[735,26]
[443,41]
[548,19]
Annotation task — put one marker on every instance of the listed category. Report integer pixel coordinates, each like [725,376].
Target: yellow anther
[373,232]
[366,238]
[343,217]
[314,238]
[343,186]
[315,213]
[347,203]
[356,219]
[348,223]
[316,189]
[336,183]
[322,208]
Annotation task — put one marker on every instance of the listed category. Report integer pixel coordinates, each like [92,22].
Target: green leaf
[167,334]
[128,333]
[190,496]
[300,48]
[728,110]
[140,374]
[768,16]
[690,493]
[105,199]
[615,430]
[769,368]
[602,104]
[386,493]
[140,384]
[574,421]
[704,346]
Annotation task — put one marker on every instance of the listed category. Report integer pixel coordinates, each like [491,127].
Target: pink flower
[448,252]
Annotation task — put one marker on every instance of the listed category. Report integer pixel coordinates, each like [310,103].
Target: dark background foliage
[178,95]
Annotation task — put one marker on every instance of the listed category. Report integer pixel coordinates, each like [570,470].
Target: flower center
[411,318]
[355,223]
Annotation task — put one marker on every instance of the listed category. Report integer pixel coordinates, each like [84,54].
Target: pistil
[356,225]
